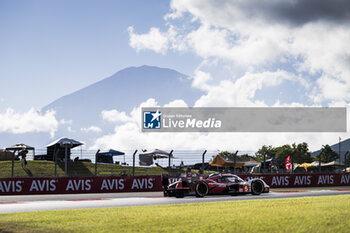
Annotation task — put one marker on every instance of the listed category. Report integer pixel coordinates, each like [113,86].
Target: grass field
[309,214]
[37,168]
[47,169]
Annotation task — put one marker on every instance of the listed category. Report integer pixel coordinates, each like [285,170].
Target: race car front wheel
[201,189]
[257,187]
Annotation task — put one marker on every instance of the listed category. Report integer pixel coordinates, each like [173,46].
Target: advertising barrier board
[297,180]
[70,185]
[303,180]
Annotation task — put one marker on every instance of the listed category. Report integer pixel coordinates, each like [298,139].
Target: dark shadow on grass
[172,171]
[5,231]
[29,173]
[19,227]
[75,168]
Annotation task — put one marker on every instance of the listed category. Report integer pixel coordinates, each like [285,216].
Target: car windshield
[233,179]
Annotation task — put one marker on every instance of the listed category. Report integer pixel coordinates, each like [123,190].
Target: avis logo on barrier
[152,119]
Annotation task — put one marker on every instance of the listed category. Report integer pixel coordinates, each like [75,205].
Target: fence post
[203,161]
[170,154]
[55,154]
[96,161]
[13,165]
[66,160]
[319,163]
[339,150]
[133,163]
[292,162]
[264,163]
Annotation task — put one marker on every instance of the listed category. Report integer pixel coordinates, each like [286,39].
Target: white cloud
[272,43]
[114,116]
[65,122]
[128,136]
[333,89]
[293,104]
[257,35]
[70,129]
[153,40]
[151,102]
[245,50]
[176,103]
[242,91]
[92,129]
[200,80]
[314,46]
[29,122]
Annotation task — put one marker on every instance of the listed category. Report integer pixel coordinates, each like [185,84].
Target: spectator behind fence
[23,154]
[182,165]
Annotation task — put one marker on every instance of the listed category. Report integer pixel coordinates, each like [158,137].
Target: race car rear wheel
[257,187]
[201,189]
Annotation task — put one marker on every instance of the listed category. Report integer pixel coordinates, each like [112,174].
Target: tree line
[299,153]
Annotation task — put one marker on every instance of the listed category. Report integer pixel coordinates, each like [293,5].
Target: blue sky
[66,45]
[239,53]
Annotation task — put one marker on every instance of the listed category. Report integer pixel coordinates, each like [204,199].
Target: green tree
[282,152]
[347,158]
[230,155]
[247,156]
[327,154]
[267,151]
[300,153]
[227,154]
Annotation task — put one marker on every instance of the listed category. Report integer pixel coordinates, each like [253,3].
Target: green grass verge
[309,214]
[302,189]
[47,169]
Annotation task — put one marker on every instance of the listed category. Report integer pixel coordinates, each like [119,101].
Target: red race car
[216,183]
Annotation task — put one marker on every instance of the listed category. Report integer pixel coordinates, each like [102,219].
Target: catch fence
[82,164]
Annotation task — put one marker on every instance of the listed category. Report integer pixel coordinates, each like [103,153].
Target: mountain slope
[123,91]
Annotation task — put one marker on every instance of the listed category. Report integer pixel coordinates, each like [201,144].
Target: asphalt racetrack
[21,203]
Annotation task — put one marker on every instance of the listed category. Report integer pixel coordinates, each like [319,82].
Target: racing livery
[216,183]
